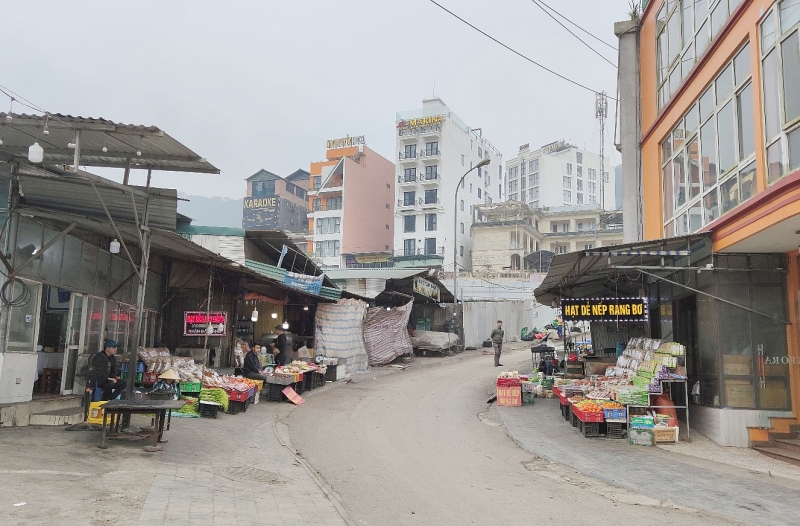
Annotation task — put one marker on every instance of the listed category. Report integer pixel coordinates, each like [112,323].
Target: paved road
[421,446]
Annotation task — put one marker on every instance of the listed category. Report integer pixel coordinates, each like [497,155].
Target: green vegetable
[215,395]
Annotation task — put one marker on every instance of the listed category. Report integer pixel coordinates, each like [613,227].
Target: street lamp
[455,228]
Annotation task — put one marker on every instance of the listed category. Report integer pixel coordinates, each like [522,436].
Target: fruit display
[509,374]
[587,406]
[230,383]
[611,405]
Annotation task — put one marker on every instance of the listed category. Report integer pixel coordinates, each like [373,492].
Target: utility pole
[601,112]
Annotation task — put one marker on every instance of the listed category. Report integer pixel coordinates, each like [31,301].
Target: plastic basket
[234,408]
[275,392]
[565,411]
[209,409]
[573,418]
[190,387]
[615,413]
[616,430]
[238,396]
[150,378]
[95,413]
[590,429]
[139,367]
[330,374]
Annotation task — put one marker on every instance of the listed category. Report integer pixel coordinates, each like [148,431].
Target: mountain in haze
[211,211]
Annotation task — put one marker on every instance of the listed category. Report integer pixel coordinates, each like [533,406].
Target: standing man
[104,372]
[497,342]
[282,357]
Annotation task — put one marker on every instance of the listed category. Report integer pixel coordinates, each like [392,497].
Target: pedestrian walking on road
[497,342]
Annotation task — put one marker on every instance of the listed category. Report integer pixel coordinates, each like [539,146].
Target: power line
[571,33]
[487,35]
[579,27]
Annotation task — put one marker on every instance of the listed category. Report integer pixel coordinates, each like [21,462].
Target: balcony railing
[429,178]
[401,203]
[418,252]
[322,207]
[403,179]
[407,156]
[430,154]
[428,202]
[419,130]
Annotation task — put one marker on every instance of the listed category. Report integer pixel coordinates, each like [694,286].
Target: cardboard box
[734,364]
[740,393]
[509,396]
[665,435]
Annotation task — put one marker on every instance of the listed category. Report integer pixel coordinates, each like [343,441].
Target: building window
[431,172]
[264,188]
[579,198]
[461,250]
[706,168]
[317,180]
[409,175]
[535,181]
[479,193]
[432,148]
[480,173]
[780,45]
[488,179]
[522,167]
[430,245]
[580,226]
[533,165]
[567,196]
[329,225]
[410,151]
[580,171]
[387,227]
[499,191]
[333,203]
[588,246]
[408,247]
[462,205]
[567,182]
[316,205]
[522,182]
[579,185]
[579,157]
[431,197]
[512,197]
[470,187]
[500,172]
[554,227]
[591,224]
[569,168]
[565,226]
[409,223]
[409,198]
[593,199]
[462,159]
[480,153]
[684,32]
[592,187]
[534,192]
[327,249]
[535,204]
[605,174]
[430,222]
[462,228]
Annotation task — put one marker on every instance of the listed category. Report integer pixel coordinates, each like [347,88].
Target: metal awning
[271,243]
[73,194]
[611,271]
[364,282]
[99,142]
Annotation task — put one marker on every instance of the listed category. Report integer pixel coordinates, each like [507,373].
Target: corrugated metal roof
[271,242]
[278,274]
[145,146]
[72,194]
[376,273]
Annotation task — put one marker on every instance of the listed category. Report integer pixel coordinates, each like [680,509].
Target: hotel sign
[424,121]
[604,309]
[346,142]
[553,146]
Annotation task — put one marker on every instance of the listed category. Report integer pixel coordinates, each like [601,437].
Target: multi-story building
[276,203]
[351,206]
[560,174]
[435,149]
[710,108]
[505,234]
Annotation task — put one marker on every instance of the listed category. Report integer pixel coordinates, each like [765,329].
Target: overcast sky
[263,84]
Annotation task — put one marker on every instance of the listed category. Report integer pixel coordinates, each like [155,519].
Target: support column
[144,264]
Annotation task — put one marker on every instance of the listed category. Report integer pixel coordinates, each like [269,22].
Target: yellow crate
[259,384]
[95,413]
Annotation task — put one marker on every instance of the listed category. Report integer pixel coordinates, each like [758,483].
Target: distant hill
[211,211]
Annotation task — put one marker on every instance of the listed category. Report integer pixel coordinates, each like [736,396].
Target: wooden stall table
[115,409]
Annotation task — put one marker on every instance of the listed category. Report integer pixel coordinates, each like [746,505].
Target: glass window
[767,32]
[679,178]
[700,9]
[727,141]
[691,120]
[692,157]
[674,40]
[774,162]
[431,172]
[431,197]
[430,245]
[747,181]
[706,104]
[430,222]
[703,39]
[334,203]
[772,118]
[790,14]
[29,240]
[409,198]
[695,217]
[23,318]
[741,65]
[409,223]
[688,20]
[747,139]
[790,56]
[729,192]
[666,148]
[711,206]
[408,247]
[718,17]
[794,149]
[724,83]
[708,146]
[71,268]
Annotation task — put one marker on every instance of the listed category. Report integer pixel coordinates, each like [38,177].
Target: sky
[263,84]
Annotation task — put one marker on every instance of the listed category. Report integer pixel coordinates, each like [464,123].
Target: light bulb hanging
[304,308]
[114,246]
[254,315]
[274,315]
[10,110]
[285,325]
[46,132]
[35,153]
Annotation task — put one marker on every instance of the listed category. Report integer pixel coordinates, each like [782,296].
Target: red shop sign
[195,323]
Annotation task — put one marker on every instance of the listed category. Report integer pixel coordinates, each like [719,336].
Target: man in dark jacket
[279,346]
[252,367]
[104,372]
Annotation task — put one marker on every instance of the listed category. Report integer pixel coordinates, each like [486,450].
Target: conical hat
[169,374]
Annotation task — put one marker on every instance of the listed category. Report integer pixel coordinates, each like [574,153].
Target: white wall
[480,317]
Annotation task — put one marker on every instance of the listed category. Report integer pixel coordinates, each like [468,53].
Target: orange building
[351,206]
[719,90]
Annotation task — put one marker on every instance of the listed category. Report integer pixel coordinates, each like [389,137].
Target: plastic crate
[309,381]
[330,374]
[298,387]
[209,409]
[528,398]
[565,411]
[190,387]
[275,392]
[573,418]
[238,396]
[616,430]
[590,429]
[150,378]
[587,417]
[234,408]
[615,413]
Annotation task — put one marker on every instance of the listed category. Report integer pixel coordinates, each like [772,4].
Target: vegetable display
[216,395]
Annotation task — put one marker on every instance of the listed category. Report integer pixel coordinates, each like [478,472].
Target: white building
[435,148]
[559,174]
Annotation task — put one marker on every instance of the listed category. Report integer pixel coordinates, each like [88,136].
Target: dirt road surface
[421,446]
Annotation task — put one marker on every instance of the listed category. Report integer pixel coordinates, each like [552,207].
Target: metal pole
[140,297]
[76,159]
[208,313]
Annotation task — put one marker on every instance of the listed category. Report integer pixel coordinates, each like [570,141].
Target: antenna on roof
[434,89]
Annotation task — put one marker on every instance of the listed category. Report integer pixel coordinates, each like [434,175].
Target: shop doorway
[75,342]
[686,330]
[60,339]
